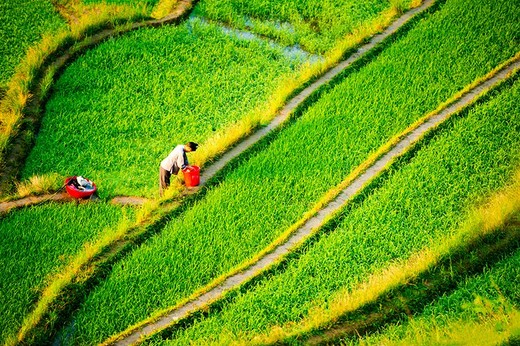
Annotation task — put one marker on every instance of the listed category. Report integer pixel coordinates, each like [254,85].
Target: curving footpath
[233,281]
[311,225]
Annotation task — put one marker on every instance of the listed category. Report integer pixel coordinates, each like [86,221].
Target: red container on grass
[77,192]
[191,176]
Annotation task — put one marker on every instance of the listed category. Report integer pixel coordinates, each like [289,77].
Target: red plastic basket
[77,193]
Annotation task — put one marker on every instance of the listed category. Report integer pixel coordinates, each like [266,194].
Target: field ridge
[304,229]
[60,196]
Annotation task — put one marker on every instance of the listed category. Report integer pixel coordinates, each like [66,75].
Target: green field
[135,3]
[486,299]
[418,205]
[316,26]
[260,199]
[23,23]
[36,242]
[121,108]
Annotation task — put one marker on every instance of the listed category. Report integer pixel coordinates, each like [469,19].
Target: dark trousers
[164,180]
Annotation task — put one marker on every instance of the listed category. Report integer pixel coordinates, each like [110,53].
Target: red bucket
[191,176]
[78,192]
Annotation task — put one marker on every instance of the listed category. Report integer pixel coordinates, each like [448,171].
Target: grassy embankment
[35,243]
[232,224]
[419,212]
[131,100]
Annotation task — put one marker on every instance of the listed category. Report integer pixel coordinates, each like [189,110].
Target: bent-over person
[173,163]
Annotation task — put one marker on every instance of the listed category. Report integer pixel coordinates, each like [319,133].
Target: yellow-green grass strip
[497,323]
[502,71]
[490,217]
[163,7]
[499,328]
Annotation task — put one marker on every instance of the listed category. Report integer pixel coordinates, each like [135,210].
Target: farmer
[177,160]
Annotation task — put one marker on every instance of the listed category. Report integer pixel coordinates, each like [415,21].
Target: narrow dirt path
[65,197]
[32,200]
[129,200]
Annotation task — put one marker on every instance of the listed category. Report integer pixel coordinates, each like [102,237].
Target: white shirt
[176,160]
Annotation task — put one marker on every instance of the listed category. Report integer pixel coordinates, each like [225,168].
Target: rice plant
[23,23]
[419,205]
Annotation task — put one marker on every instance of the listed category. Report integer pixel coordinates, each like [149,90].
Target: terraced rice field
[121,106]
[131,100]
[231,224]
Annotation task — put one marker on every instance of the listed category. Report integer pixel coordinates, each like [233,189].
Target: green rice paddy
[418,205]
[128,102]
[259,200]
[120,107]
